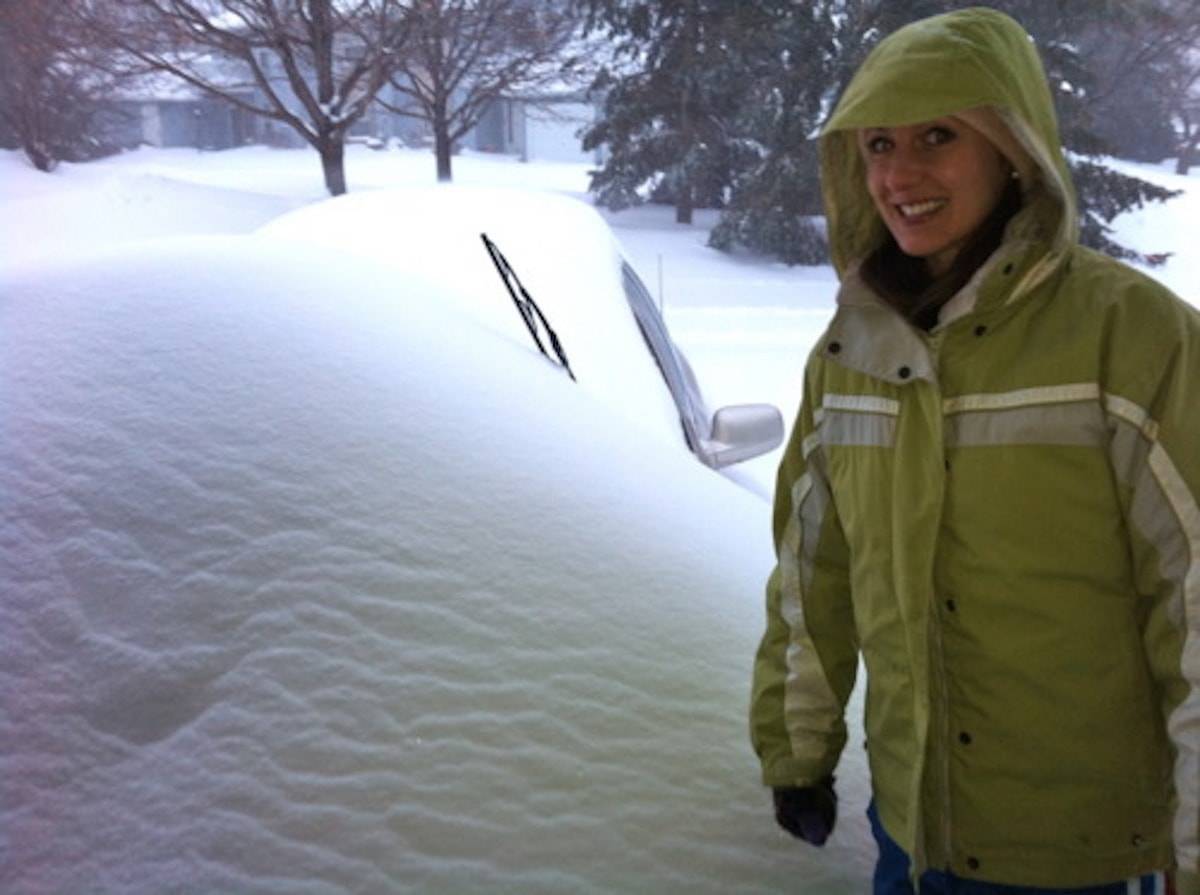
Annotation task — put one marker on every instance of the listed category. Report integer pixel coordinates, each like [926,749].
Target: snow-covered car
[568,273]
[311,582]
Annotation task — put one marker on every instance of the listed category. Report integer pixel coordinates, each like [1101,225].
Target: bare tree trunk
[684,198]
[442,150]
[38,156]
[333,165]
[684,202]
[1187,154]
[32,129]
[442,145]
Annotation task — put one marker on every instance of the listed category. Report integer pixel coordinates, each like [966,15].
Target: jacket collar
[870,336]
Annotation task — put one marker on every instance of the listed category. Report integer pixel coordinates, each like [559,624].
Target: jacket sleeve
[806,663]
[1154,416]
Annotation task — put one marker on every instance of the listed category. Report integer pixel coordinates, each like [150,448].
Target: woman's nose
[902,169]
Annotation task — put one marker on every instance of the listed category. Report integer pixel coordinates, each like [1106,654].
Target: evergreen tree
[668,118]
[775,197]
[1061,30]
[1143,56]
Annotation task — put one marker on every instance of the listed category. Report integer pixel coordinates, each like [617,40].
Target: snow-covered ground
[320,691]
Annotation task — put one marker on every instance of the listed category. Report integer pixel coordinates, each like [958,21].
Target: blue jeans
[891,876]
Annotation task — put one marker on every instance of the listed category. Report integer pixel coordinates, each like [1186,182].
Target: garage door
[552,134]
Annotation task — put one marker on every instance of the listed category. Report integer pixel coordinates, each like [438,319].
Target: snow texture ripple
[310,586]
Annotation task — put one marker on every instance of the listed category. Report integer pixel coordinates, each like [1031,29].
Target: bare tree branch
[313,65]
[465,54]
[50,89]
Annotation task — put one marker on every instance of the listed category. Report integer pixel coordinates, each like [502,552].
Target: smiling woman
[989,496]
[933,184]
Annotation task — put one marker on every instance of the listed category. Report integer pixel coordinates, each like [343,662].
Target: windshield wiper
[527,307]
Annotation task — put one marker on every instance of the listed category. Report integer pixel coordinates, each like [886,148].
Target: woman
[989,495]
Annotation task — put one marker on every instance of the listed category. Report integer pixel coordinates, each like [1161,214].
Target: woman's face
[933,184]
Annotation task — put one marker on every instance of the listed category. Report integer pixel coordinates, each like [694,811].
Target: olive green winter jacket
[999,517]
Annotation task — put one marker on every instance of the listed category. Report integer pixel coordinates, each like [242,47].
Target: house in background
[537,127]
[157,109]
[162,110]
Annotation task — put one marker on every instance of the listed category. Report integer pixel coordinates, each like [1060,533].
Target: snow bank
[1165,227]
[297,172]
[78,210]
[308,589]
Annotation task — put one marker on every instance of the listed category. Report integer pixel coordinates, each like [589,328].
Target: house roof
[162,86]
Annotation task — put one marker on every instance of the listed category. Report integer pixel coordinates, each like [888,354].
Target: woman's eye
[937,136]
[876,145]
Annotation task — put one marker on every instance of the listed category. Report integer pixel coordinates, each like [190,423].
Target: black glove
[807,812]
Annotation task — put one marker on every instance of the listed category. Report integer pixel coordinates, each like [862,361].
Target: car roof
[562,250]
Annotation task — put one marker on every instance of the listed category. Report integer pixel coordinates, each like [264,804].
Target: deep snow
[263,631]
[297,600]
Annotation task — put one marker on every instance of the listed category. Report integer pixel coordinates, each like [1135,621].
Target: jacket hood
[978,64]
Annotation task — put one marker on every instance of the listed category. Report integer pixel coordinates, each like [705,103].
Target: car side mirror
[742,431]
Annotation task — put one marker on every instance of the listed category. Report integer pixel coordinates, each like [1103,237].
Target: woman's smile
[920,210]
